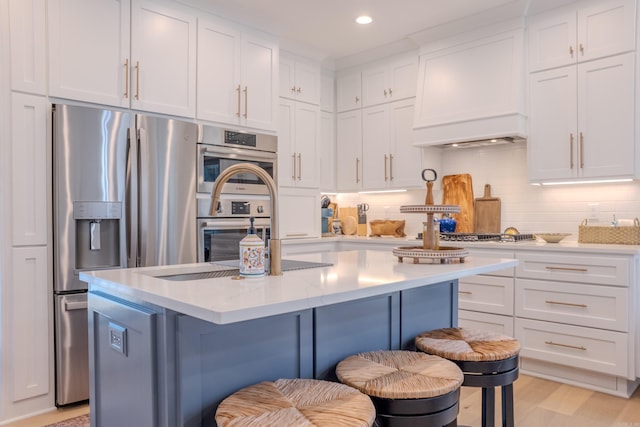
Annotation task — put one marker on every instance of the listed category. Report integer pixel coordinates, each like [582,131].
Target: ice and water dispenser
[97,234]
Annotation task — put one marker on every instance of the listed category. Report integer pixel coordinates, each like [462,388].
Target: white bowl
[552,237]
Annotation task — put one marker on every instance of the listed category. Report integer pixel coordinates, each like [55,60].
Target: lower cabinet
[299,213]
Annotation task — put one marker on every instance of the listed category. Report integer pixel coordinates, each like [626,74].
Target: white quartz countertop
[353,275]
[570,244]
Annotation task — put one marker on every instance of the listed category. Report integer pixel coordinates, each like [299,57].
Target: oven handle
[235,153]
[227,224]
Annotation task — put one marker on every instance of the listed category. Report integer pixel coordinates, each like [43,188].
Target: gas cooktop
[485,237]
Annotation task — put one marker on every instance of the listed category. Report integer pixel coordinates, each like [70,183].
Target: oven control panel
[236,207]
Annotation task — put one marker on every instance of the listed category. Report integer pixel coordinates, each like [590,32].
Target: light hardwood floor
[538,403]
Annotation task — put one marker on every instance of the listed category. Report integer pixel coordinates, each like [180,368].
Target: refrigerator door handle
[75,305]
[131,194]
[144,195]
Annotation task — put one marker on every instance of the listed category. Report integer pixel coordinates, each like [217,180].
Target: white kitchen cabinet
[89,50]
[349,150]
[327,152]
[299,79]
[298,144]
[389,160]
[486,321]
[391,80]
[299,212]
[582,121]
[349,90]
[327,91]
[163,59]
[566,35]
[237,76]
[28,46]
[471,88]
[134,54]
[30,171]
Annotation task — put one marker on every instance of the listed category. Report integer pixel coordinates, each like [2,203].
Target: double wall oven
[243,196]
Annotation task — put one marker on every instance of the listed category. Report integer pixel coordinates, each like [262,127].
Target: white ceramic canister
[252,253]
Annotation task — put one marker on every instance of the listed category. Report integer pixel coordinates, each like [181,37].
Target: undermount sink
[220,269]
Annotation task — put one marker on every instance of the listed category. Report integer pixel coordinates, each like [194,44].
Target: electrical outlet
[118,338]
[593,213]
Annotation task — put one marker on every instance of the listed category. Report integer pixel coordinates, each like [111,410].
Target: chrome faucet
[275,257]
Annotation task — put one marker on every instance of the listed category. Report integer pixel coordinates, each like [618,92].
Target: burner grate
[485,237]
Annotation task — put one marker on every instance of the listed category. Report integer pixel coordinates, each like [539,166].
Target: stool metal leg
[507,406]
[488,407]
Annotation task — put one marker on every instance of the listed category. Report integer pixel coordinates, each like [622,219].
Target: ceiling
[325,29]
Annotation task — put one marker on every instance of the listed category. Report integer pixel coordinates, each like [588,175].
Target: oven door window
[214,165]
[223,244]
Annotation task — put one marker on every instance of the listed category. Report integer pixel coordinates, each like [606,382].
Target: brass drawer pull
[465,292]
[566,345]
[571,304]
[297,234]
[567,269]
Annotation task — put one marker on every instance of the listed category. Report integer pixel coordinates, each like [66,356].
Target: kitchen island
[165,351]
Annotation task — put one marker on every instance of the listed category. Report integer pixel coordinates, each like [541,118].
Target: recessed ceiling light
[364,20]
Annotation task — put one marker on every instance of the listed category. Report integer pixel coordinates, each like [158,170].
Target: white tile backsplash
[527,207]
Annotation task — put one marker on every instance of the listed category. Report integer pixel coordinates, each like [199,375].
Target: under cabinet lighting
[381,191]
[602,181]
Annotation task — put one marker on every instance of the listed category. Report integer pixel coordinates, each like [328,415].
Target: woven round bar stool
[487,359]
[296,403]
[408,388]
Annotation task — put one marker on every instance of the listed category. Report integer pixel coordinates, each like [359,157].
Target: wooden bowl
[552,237]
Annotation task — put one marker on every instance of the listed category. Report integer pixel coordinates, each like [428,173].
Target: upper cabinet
[349,90]
[28,46]
[566,36]
[471,87]
[327,91]
[349,150]
[123,53]
[299,79]
[391,80]
[237,76]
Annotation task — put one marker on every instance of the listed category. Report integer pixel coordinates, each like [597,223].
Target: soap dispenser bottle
[252,253]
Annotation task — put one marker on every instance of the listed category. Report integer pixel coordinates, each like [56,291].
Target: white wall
[527,207]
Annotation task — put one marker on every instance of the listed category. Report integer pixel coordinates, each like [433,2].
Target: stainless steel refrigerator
[124,196]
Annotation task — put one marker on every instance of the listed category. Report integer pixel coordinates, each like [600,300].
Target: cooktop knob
[260,209]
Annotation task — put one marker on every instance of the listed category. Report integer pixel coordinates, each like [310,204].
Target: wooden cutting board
[349,218]
[458,190]
[487,213]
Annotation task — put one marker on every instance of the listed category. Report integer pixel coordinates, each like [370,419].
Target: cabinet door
[89,51]
[375,147]
[259,76]
[307,134]
[405,160]
[163,52]
[29,174]
[552,40]
[299,213]
[349,91]
[606,117]
[327,152]
[552,143]
[28,45]
[606,28]
[218,72]
[349,150]
[327,92]
[375,85]
[307,82]
[286,145]
[403,75]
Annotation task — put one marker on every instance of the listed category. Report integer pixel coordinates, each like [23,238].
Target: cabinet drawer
[598,269]
[595,306]
[485,321]
[490,253]
[491,294]
[575,346]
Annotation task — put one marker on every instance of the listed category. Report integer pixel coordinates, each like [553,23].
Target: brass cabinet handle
[299,166]
[390,92]
[565,345]
[567,269]
[293,168]
[391,167]
[246,102]
[581,151]
[357,169]
[571,51]
[570,304]
[238,90]
[385,93]
[297,234]
[299,90]
[581,49]
[571,150]
[137,96]
[293,89]
[126,78]
[357,99]
[465,292]
[386,178]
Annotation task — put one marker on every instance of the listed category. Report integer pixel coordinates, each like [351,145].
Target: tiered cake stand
[430,249]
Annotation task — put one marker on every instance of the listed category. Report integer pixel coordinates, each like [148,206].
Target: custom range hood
[471,88]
